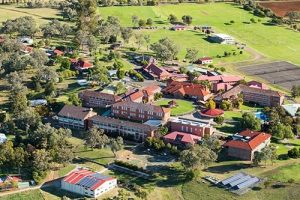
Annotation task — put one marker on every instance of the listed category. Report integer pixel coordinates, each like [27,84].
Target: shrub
[294,153]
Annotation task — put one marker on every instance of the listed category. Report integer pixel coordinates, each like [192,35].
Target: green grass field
[275,42]
[42,15]
[29,195]
[286,173]
[183,107]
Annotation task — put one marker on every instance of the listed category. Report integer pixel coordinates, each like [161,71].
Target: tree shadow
[227,168]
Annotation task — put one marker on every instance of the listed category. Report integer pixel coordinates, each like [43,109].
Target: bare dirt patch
[282,8]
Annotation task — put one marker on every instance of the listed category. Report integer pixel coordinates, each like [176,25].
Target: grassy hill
[275,42]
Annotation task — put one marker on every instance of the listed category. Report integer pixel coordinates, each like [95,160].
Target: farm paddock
[283,74]
[281,8]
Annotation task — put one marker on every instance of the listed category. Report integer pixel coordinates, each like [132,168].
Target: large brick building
[220,82]
[185,89]
[244,144]
[95,99]
[145,95]
[75,117]
[254,95]
[191,126]
[129,130]
[139,111]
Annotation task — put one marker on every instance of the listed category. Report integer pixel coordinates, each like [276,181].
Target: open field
[42,15]
[195,39]
[283,74]
[183,107]
[274,42]
[281,8]
[29,195]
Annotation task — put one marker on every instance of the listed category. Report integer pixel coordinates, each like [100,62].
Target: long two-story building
[75,117]
[130,130]
[96,99]
[139,111]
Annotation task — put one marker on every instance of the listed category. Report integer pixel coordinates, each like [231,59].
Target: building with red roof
[81,64]
[144,95]
[180,138]
[259,85]
[244,144]
[96,99]
[220,82]
[88,183]
[185,89]
[155,72]
[58,52]
[211,113]
[205,61]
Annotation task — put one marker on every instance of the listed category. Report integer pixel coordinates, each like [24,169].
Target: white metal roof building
[222,38]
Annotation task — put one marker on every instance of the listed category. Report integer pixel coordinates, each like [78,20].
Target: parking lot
[281,73]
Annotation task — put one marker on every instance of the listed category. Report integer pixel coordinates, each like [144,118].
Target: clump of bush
[294,153]
[134,73]
[159,145]
[130,166]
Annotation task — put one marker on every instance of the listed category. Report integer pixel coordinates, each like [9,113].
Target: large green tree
[165,49]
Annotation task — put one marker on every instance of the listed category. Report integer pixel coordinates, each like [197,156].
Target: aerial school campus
[149,100]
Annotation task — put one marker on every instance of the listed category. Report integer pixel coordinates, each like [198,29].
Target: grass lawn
[41,15]
[183,106]
[63,171]
[274,42]
[285,173]
[28,195]
[284,146]
[196,190]
[195,39]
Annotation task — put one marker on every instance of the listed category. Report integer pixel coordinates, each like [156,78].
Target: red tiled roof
[75,112]
[256,84]
[136,95]
[97,94]
[151,89]
[183,137]
[185,88]
[256,138]
[154,70]
[220,78]
[212,112]
[205,58]
[140,106]
[58,52]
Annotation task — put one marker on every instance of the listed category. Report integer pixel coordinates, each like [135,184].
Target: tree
[219,120]
[6,153]
[149,22]
[187,19]
[226,105]
[293,16]
[120,74]
[295,91]
[134,20]
[27,119]
[92,43]
[210,104]
[40,58]
[19,158]
[165,49]
[197,156]
[126,34]
[294,153]
[99,74]
[120,88]
[95,137]
[74,99]
[18,98]
[139,40]
[212,142]
[172,19]
[41,161]
[147,40]
[249,121]
[282,131]
[191,54]
[116,144]
[142,23]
